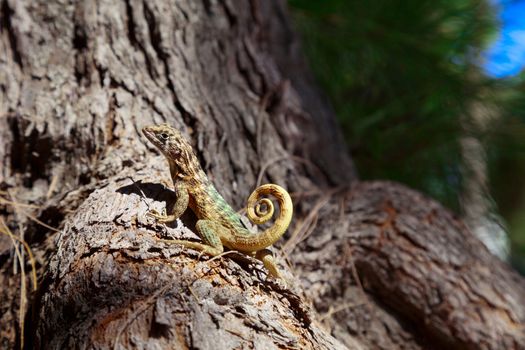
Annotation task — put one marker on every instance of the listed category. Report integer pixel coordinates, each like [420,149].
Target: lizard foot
[161,217]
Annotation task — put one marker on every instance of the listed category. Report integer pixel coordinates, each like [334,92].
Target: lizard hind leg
[210,232]
[207,231]
[268,260]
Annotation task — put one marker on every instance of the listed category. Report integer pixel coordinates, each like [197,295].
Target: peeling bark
[77,83]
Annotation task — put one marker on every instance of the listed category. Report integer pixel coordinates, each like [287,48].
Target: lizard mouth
[147,131]
[150,134]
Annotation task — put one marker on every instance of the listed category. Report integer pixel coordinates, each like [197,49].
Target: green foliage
[506,157]
[397,73]
[403,77]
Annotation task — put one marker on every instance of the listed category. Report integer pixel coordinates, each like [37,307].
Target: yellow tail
[259,211]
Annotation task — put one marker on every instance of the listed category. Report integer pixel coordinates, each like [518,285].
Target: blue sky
[506,56]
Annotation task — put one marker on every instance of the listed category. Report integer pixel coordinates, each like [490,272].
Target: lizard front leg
[180,206]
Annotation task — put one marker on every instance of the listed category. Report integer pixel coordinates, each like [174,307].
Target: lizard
[218,225]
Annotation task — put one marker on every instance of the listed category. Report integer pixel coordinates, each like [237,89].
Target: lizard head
[177,150]
[171,143]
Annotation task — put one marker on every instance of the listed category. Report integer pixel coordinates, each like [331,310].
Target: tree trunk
[477,205]
[371,265]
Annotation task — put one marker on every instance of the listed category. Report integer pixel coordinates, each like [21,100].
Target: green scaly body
[218,224]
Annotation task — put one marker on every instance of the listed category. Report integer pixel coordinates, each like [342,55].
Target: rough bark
[430,283]
[78,81]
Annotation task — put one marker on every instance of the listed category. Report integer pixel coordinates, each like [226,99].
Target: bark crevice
[6,24]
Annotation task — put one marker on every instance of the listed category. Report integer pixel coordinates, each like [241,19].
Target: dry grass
[4,229]
[18,242]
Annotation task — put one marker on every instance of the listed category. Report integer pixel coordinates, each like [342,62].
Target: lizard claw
[159,216]
[200,255]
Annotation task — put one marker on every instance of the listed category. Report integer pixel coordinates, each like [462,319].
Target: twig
[222,254]
[23,290]
[8,202]
[28,250]
[16,205]
[306,227]
[278,159]
[333,310]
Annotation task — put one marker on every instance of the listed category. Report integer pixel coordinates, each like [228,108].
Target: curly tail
[260,210]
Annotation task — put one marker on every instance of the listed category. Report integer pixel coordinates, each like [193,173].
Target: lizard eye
[164,136]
